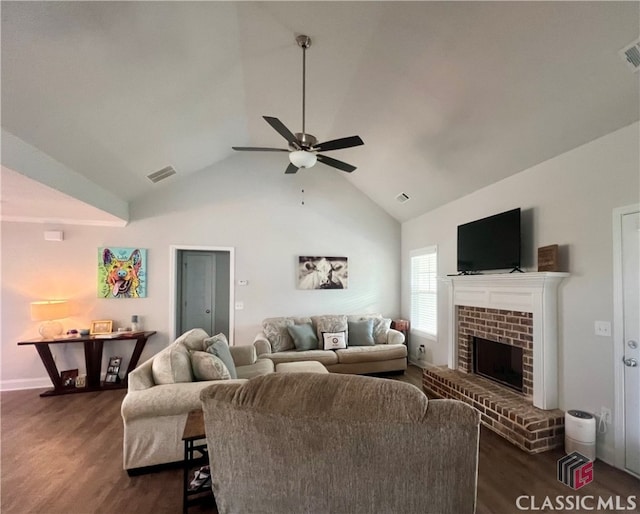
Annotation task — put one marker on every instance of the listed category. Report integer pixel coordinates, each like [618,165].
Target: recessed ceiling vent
[402,197]
[631,55]
[159,175]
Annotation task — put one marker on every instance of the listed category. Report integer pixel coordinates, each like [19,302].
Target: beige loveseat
[388,353]
[162,391]
[341,444]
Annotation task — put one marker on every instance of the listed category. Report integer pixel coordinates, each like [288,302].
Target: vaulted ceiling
[448,97]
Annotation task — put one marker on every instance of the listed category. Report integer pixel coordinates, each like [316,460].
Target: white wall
[566,200]
[247,203]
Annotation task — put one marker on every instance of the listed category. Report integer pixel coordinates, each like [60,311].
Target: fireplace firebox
[499,362]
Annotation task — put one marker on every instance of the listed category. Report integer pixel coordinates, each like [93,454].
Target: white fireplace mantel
[521,292]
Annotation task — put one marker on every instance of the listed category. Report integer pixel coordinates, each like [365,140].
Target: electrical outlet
[603,328]
[605,414]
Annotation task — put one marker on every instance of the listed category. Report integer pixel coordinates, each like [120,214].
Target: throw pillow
[218,346]
[207,366]
[304,338]
[276,331]
[334,340]
[172,365]
[330,323]
[381,328]
[361,333]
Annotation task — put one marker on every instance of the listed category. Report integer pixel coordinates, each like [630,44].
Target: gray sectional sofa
[386,351]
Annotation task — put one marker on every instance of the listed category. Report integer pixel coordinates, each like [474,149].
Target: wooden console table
[93,360]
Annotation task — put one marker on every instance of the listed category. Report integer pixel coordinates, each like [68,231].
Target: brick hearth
[506,412]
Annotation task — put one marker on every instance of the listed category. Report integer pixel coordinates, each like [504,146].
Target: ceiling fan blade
[282,130]
[338,144]
[256,149]
[292,168]
[335,163]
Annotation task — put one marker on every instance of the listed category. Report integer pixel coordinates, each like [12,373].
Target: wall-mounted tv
[490,243]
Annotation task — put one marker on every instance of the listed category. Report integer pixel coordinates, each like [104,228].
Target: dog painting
[122,272]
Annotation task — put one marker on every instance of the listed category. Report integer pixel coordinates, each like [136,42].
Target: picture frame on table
[113,370]
[103,326]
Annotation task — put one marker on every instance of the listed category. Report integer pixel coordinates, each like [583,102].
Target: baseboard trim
[25,383]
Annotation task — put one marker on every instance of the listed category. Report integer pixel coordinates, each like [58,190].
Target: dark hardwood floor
[64,455]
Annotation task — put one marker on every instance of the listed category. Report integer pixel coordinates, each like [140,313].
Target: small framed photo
[113,370]
[68,378]
[103,326]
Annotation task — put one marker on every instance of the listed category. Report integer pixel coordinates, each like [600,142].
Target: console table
[93,360]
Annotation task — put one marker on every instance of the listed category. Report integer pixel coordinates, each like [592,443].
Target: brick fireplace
[517,310]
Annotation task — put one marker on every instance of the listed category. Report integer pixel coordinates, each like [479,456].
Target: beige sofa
[154,414]
[339,443]
[389,353]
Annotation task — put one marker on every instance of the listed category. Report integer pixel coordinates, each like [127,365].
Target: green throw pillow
[218,346]
[361,333]
[304,337]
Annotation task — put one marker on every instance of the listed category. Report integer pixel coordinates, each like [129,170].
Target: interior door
[197,302]
[631,328]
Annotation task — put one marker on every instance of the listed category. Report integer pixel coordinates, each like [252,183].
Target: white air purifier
[580,433]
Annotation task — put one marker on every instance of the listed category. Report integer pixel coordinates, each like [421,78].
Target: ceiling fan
[303,148]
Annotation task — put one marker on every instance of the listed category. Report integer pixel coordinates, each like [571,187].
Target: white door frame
[173,284]
[618,332]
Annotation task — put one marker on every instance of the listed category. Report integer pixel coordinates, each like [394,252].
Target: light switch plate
[239,306]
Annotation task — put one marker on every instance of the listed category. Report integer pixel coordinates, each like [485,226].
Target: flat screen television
[490,243]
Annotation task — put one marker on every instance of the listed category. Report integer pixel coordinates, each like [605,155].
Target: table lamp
[50,311]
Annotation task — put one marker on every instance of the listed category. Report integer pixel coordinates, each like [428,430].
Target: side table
[195,455]
[404,326]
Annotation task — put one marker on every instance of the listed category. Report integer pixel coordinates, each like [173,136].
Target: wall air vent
[159,175]
[631,55]
[402,197]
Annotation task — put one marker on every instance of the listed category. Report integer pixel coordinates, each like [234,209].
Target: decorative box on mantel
[520,292]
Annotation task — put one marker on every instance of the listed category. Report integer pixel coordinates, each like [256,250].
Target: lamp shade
[303,159]
[49,310]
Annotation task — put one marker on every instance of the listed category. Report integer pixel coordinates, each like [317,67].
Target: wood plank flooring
[64,455]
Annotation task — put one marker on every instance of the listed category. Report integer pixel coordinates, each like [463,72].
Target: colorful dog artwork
[122,273]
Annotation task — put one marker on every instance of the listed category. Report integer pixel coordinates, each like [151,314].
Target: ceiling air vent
[159,175]
[402,197]
[631,55]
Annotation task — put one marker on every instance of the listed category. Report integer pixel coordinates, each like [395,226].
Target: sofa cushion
[172,365]
[207,366]
[379,352]
[193,339]
[323,357]
[330,323]
[304,338]
[361,333]
[260,367]
[276,331]
[334,340]
[218,346]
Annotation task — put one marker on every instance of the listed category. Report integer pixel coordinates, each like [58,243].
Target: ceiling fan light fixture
[303,159]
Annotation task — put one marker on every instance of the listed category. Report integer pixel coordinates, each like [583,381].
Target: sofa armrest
[262,344]
[243,355]
[141,377]
[395,337]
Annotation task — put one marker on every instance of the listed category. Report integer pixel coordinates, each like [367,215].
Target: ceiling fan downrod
[304,42]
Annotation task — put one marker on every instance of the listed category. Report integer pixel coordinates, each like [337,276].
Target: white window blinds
[424,290]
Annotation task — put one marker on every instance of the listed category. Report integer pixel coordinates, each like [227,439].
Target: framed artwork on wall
[323,272]
[122,272]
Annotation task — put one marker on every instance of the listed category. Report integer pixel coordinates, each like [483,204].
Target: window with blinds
[424,290]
